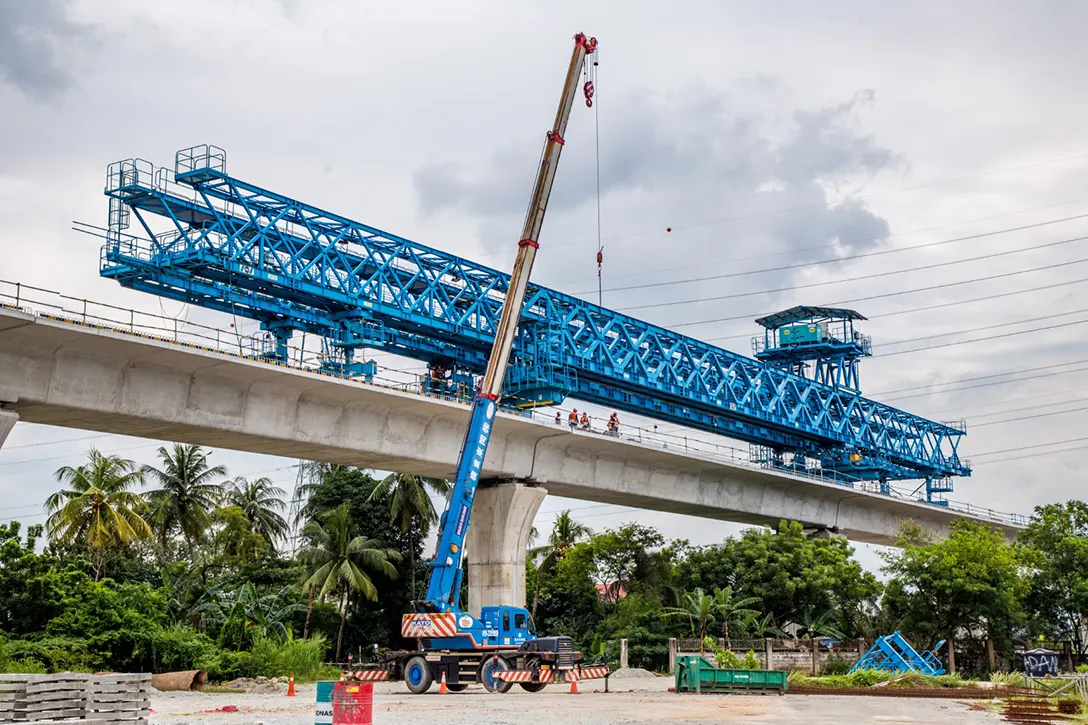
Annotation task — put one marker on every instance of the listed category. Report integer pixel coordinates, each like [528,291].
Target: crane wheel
[418,675]
[533,686]
[488,669]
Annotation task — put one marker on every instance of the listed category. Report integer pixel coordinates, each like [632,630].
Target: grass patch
[868,678]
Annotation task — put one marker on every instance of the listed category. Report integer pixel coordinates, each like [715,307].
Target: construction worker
[558,418]
[572,419]
[614,424]
[585,421]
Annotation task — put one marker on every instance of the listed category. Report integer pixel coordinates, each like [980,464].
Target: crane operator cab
[507,626]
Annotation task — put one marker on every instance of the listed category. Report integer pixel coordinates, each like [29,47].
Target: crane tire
[418,675]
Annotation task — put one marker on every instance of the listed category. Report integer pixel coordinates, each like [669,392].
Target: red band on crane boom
[528,243]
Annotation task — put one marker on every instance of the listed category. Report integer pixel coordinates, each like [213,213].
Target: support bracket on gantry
[498,542]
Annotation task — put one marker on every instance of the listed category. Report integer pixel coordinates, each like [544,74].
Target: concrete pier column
[498,538]
[8,419]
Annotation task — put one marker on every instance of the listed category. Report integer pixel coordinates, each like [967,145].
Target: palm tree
[565,533]
[339,562]
[732,610]
[187,493]
[261,502]
[410,507]
[761,627]
[698,608]
[98,509]
[811,627]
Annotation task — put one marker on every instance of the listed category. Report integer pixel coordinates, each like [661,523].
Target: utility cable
[913,290]
[1028,455]
[833,246]
[848,258]
[1028,417]
[943,305]
[983,385]
[987,327]
[1030,448]
[819,205]
[985,377]
[862,278]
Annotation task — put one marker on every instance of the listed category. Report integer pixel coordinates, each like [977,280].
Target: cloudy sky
[765,135]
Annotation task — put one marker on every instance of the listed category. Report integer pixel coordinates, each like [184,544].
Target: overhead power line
[983,385]
[1003,335]
[1028,455]
[836,260]
[1029,417]
[927,308]
[862,278]
[819,205]
[819,247]
[1031,407]
[1030,448]
[911,291]
[984,377]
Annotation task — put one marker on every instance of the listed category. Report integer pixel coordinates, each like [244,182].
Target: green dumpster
[695,674]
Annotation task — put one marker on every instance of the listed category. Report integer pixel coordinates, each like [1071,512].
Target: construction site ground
[640,701]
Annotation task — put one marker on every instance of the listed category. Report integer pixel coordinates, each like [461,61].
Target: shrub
[1082,668]
[272,657]
[53,654]
[180,648]
[751,662]
[224,665]
[836,665]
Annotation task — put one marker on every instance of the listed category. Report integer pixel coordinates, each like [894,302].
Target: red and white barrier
[365,676]
[594,672]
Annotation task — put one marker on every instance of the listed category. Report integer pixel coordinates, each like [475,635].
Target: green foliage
[727,659]
[971,580]
[1082,668]
[1055,544]
[98,509]
[275,657]
[836,665]
[788,573]
[188,492]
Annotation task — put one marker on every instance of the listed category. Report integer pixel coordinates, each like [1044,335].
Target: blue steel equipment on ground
[893,653]
[213,240]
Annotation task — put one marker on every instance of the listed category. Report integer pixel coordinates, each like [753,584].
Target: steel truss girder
[242,249]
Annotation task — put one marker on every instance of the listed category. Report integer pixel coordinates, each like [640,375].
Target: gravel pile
[632,673]
[257,684]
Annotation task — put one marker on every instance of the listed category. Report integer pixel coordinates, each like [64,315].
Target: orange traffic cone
[442,685]
[574,682]
[291,685]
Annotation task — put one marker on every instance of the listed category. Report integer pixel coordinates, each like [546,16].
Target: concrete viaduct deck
[63,370]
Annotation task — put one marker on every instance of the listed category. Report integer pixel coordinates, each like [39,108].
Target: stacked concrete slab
[119,699]
[115,699]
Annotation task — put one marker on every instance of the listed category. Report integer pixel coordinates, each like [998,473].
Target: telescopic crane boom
[501,645]
[442,593]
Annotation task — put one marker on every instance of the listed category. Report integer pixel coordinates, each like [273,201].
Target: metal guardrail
[50,304]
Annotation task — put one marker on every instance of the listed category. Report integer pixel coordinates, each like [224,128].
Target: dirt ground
[644,701]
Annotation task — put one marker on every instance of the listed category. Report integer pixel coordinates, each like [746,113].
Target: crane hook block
[588,90]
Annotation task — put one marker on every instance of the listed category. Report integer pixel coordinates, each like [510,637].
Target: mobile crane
[501,646]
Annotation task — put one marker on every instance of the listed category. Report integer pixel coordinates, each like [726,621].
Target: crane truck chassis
[500,647]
